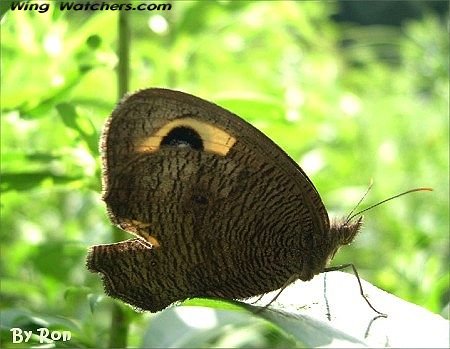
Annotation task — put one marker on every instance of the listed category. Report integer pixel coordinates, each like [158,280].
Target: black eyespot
[183,137]
[200,199]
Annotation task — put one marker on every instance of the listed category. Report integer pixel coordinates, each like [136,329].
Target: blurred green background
[350,97]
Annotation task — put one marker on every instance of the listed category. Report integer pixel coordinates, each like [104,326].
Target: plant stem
[119,320]
[119,327]
[123,52]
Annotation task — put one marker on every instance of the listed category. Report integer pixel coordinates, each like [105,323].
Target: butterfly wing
[128,270]
[226,211]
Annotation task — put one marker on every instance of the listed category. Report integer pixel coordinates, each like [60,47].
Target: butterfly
[216,207]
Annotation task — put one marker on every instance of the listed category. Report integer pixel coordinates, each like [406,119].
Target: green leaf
[94,299]
[5,6]
[310,314]
[94,41]
[195,327]
[214,303]
[22,181]
[46,104]
[253,107]
[337,315]
[16,317]
[82,125]
[49,262]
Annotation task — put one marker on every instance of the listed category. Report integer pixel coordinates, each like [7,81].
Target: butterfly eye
[183,137]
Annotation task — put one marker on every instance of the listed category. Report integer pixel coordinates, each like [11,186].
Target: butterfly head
[343,232]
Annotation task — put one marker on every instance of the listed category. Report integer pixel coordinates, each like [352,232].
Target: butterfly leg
[343,266]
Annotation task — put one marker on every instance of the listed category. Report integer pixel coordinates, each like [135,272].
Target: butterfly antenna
[349,217]
[388,199]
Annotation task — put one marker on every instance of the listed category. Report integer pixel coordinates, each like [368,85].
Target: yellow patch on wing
[214,139]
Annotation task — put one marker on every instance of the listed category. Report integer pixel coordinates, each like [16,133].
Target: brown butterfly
[219,210]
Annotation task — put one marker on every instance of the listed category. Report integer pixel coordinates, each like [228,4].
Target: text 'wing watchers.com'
[89,6]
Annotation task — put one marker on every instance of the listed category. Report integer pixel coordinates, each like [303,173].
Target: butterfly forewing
[220,209]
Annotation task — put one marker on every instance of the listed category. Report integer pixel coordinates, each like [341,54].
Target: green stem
[123,52]
[119,320]
[119,327]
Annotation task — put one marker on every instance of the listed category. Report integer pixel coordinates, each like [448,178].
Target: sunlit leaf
[80,124]
[21,181]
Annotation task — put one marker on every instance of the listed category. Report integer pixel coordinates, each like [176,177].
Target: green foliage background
[349,103]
